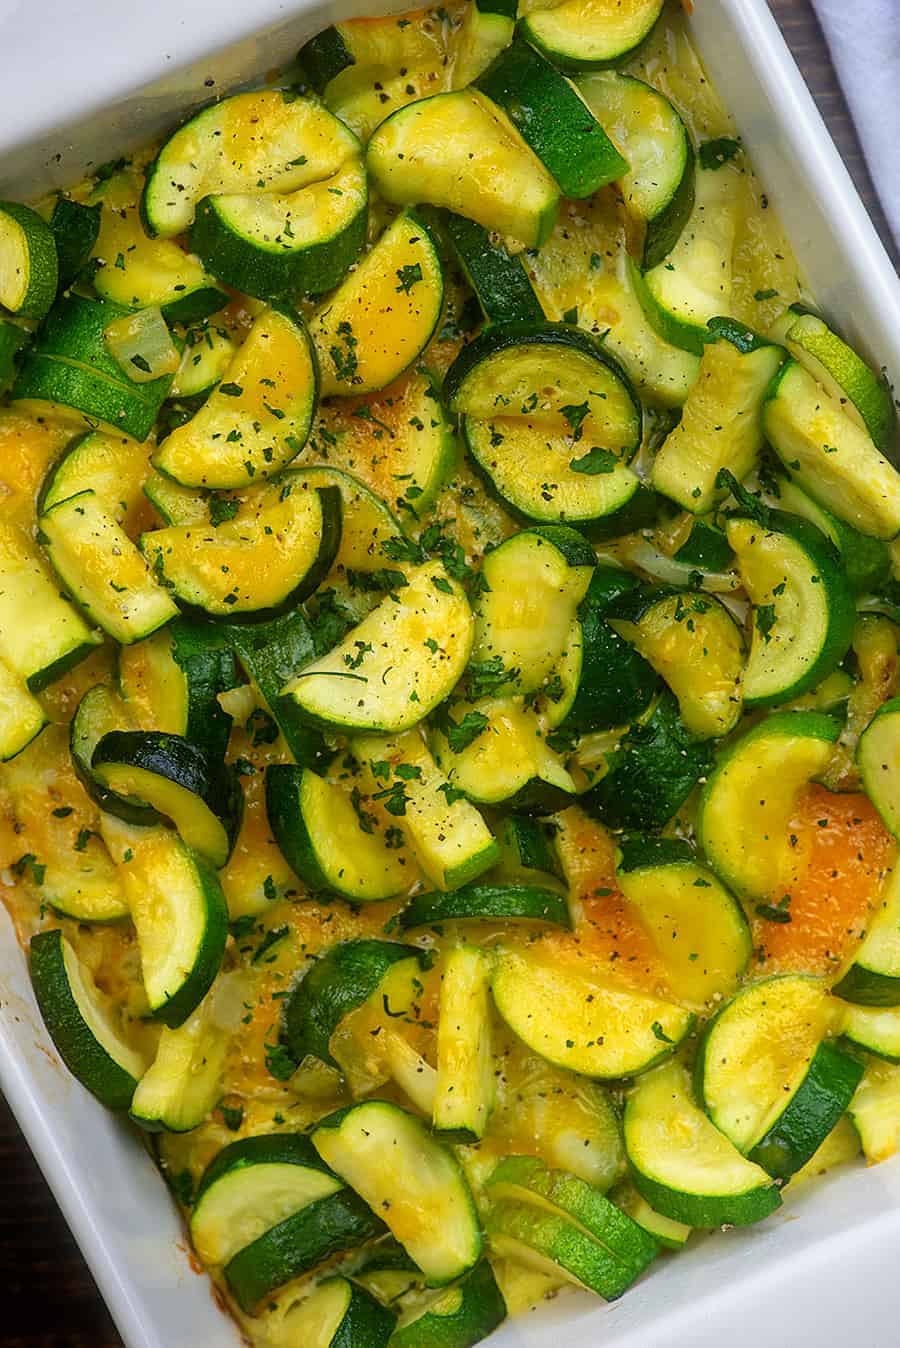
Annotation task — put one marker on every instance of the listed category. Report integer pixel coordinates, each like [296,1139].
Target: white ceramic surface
[821,1273]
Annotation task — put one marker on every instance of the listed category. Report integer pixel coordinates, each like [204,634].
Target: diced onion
[642,554]
[142,346]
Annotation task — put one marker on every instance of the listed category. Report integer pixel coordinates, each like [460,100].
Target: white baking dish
[820,1273]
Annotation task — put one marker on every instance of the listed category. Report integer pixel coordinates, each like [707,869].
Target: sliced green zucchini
[671,1235]
[113,467]
[873,1028]
[328,1226]
[845,376]
[451,841]
[82,1022]
[528,858]
[553,119]
[866,561]
[13,340]
[383,676]
[694,643]
[464,1087]
[694,282]
[458,150]
[321,837]
[498,278]
[183,1084]
[137,271]
[698,928]
[259,416]
[74,227]
[803,607]
[347,975]
[382,41]
[180,916]
[875,1111]
[334,1313]
[21,715]
[750,797]
[455,1317]
[363,96]
[876,756]
[275,550]
[487,27]
[832,457]
[29,272]
[388,1156]
[176,504]
[576,37]
[99,711]
[535,582]
[645,127]
[578,1022]
[651,773]
[208,352]
[682,1165]
[489,903]
[871,976]
[721,423]
[182,783]
[104,571]
[769,1079]
[385,313]
[70,368]
[510,763]
[367,523]
[252,1185]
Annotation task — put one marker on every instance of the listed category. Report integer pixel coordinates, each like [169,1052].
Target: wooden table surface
[50,1300]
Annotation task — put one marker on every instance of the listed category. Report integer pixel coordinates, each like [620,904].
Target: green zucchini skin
[341,980]
[616,683]
[75,228]
[651,774]
[202,653]
[94,717]
[489,902]
[568,52]
[323,57]
[13,340]
[826,1093]
[342,1221]
[268,1148]
[499,280]
[551,117]
[478,1314]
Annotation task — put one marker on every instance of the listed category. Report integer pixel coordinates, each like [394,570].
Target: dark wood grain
[50,1299]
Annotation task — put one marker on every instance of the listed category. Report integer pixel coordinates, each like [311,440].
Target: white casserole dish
[821,1272]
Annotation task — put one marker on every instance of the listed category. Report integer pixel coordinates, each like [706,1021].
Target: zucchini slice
[182,783]
[369,42]
[104,571]
[321,837]
[388,1156]
[259,416]
[208,352]
[652,772]
[486,28]
[340,1221]
[527,856]
[487,903]
[383,676]
[682,1165]
[522,1183]
[464,1088]
[876,756]
[510,762]
[769,1079]
[694,282]
[174,503]
[721,425]
[253,176]
[367,523]
[645,127]
[273,552]
[832,457]
[335,1313]
[579,38]
[547,414]
[751,796]
[385,313]
[21,715]
[873,1028]
[458,150]
[451,841]
[183,1084]
[345,977]
[694,643]
[29,271]
[670,1235]
[13,340]
[576,1021]
[139,272]
[252,1185]
[81,1022]
[113,467]
[74,227]
[699,929]
[803,607]
[498,278]
[875,1111]
[535,582]
[99,711]
[845,376]
[872,975]
[455,1317]
[70,368]
[180,916]
[866,561]
[553,119]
